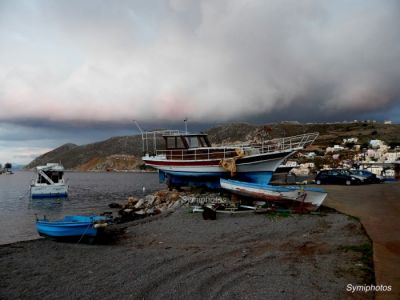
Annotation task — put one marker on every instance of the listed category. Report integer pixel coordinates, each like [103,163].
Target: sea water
[89,193]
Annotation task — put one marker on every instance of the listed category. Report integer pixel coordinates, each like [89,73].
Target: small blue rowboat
[72,226]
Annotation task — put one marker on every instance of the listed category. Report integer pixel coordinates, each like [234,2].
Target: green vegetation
[366,259]
[273,215]
[143,167]
[354,218]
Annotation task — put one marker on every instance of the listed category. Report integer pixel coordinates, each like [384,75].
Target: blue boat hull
[66,231]
[56,195]
[210,180]
[70,226]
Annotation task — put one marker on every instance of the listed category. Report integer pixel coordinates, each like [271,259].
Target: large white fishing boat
[191,160]
[49,182]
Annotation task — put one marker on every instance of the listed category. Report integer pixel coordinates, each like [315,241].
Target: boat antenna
[186,120]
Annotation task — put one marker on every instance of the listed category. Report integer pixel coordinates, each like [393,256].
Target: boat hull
[309,198]
[49,191]
[74,230]
[253,163]
[254,168]
[212,181]
[69,227]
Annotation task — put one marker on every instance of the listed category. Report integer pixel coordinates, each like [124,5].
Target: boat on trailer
[49,182]
[307,198]
[190,160]
[72,226]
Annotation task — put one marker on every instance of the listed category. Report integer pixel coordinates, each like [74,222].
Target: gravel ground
[182,256]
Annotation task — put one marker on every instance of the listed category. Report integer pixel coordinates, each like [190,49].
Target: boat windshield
[55,176]
[186,141]
[193,141]
[175,143]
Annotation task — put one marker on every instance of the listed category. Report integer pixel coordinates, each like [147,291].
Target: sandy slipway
[182,256]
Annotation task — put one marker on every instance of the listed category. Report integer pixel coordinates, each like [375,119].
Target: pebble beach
[179,255]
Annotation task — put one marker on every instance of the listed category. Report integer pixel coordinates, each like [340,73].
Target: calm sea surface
[88,193]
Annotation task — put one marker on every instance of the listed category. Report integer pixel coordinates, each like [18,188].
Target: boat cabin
[193,147]
[186,141]
[55,176]
[50,172]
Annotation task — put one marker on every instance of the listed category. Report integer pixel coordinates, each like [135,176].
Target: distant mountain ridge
[55,155]
[124,152]
[74,157]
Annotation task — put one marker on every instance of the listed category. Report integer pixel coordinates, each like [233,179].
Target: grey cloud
[160,61]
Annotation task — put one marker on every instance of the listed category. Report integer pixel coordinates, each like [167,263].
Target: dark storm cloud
[81,71]
[207,60]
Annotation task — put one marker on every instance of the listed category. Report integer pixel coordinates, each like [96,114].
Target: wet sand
[378,207]
[182,256]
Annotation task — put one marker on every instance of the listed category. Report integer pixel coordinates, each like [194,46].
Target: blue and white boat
[191,160]
[310,198]
[49,182]
[72,226]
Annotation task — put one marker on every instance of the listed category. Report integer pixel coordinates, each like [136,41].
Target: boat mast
[186,120]
[141,132]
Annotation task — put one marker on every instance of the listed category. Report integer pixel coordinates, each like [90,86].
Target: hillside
[123,153]
[84,157]
[55,155]
[330,134]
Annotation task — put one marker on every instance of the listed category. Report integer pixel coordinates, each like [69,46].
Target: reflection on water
[46,204]
[89,193]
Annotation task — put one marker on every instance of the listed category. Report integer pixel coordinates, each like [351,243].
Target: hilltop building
[352,140]
[376,143]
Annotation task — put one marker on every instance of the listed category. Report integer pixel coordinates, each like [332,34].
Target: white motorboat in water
[49,182]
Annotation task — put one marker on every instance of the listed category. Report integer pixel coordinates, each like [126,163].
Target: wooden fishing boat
[190,159]
[72,226]
[309,198]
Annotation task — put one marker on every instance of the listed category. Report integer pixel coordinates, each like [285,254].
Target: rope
[84,232]
[229,164]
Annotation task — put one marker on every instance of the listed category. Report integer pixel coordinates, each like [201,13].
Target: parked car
[337,176]
[369,176]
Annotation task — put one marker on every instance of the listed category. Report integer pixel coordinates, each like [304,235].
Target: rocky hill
[120,153]
[123,153]
[329,134]
[56,155]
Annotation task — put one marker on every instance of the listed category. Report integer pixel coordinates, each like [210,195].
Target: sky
[81,71]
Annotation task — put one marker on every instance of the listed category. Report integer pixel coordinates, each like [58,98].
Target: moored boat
[309,198]
[72,226]
[191,160]
[49,182]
